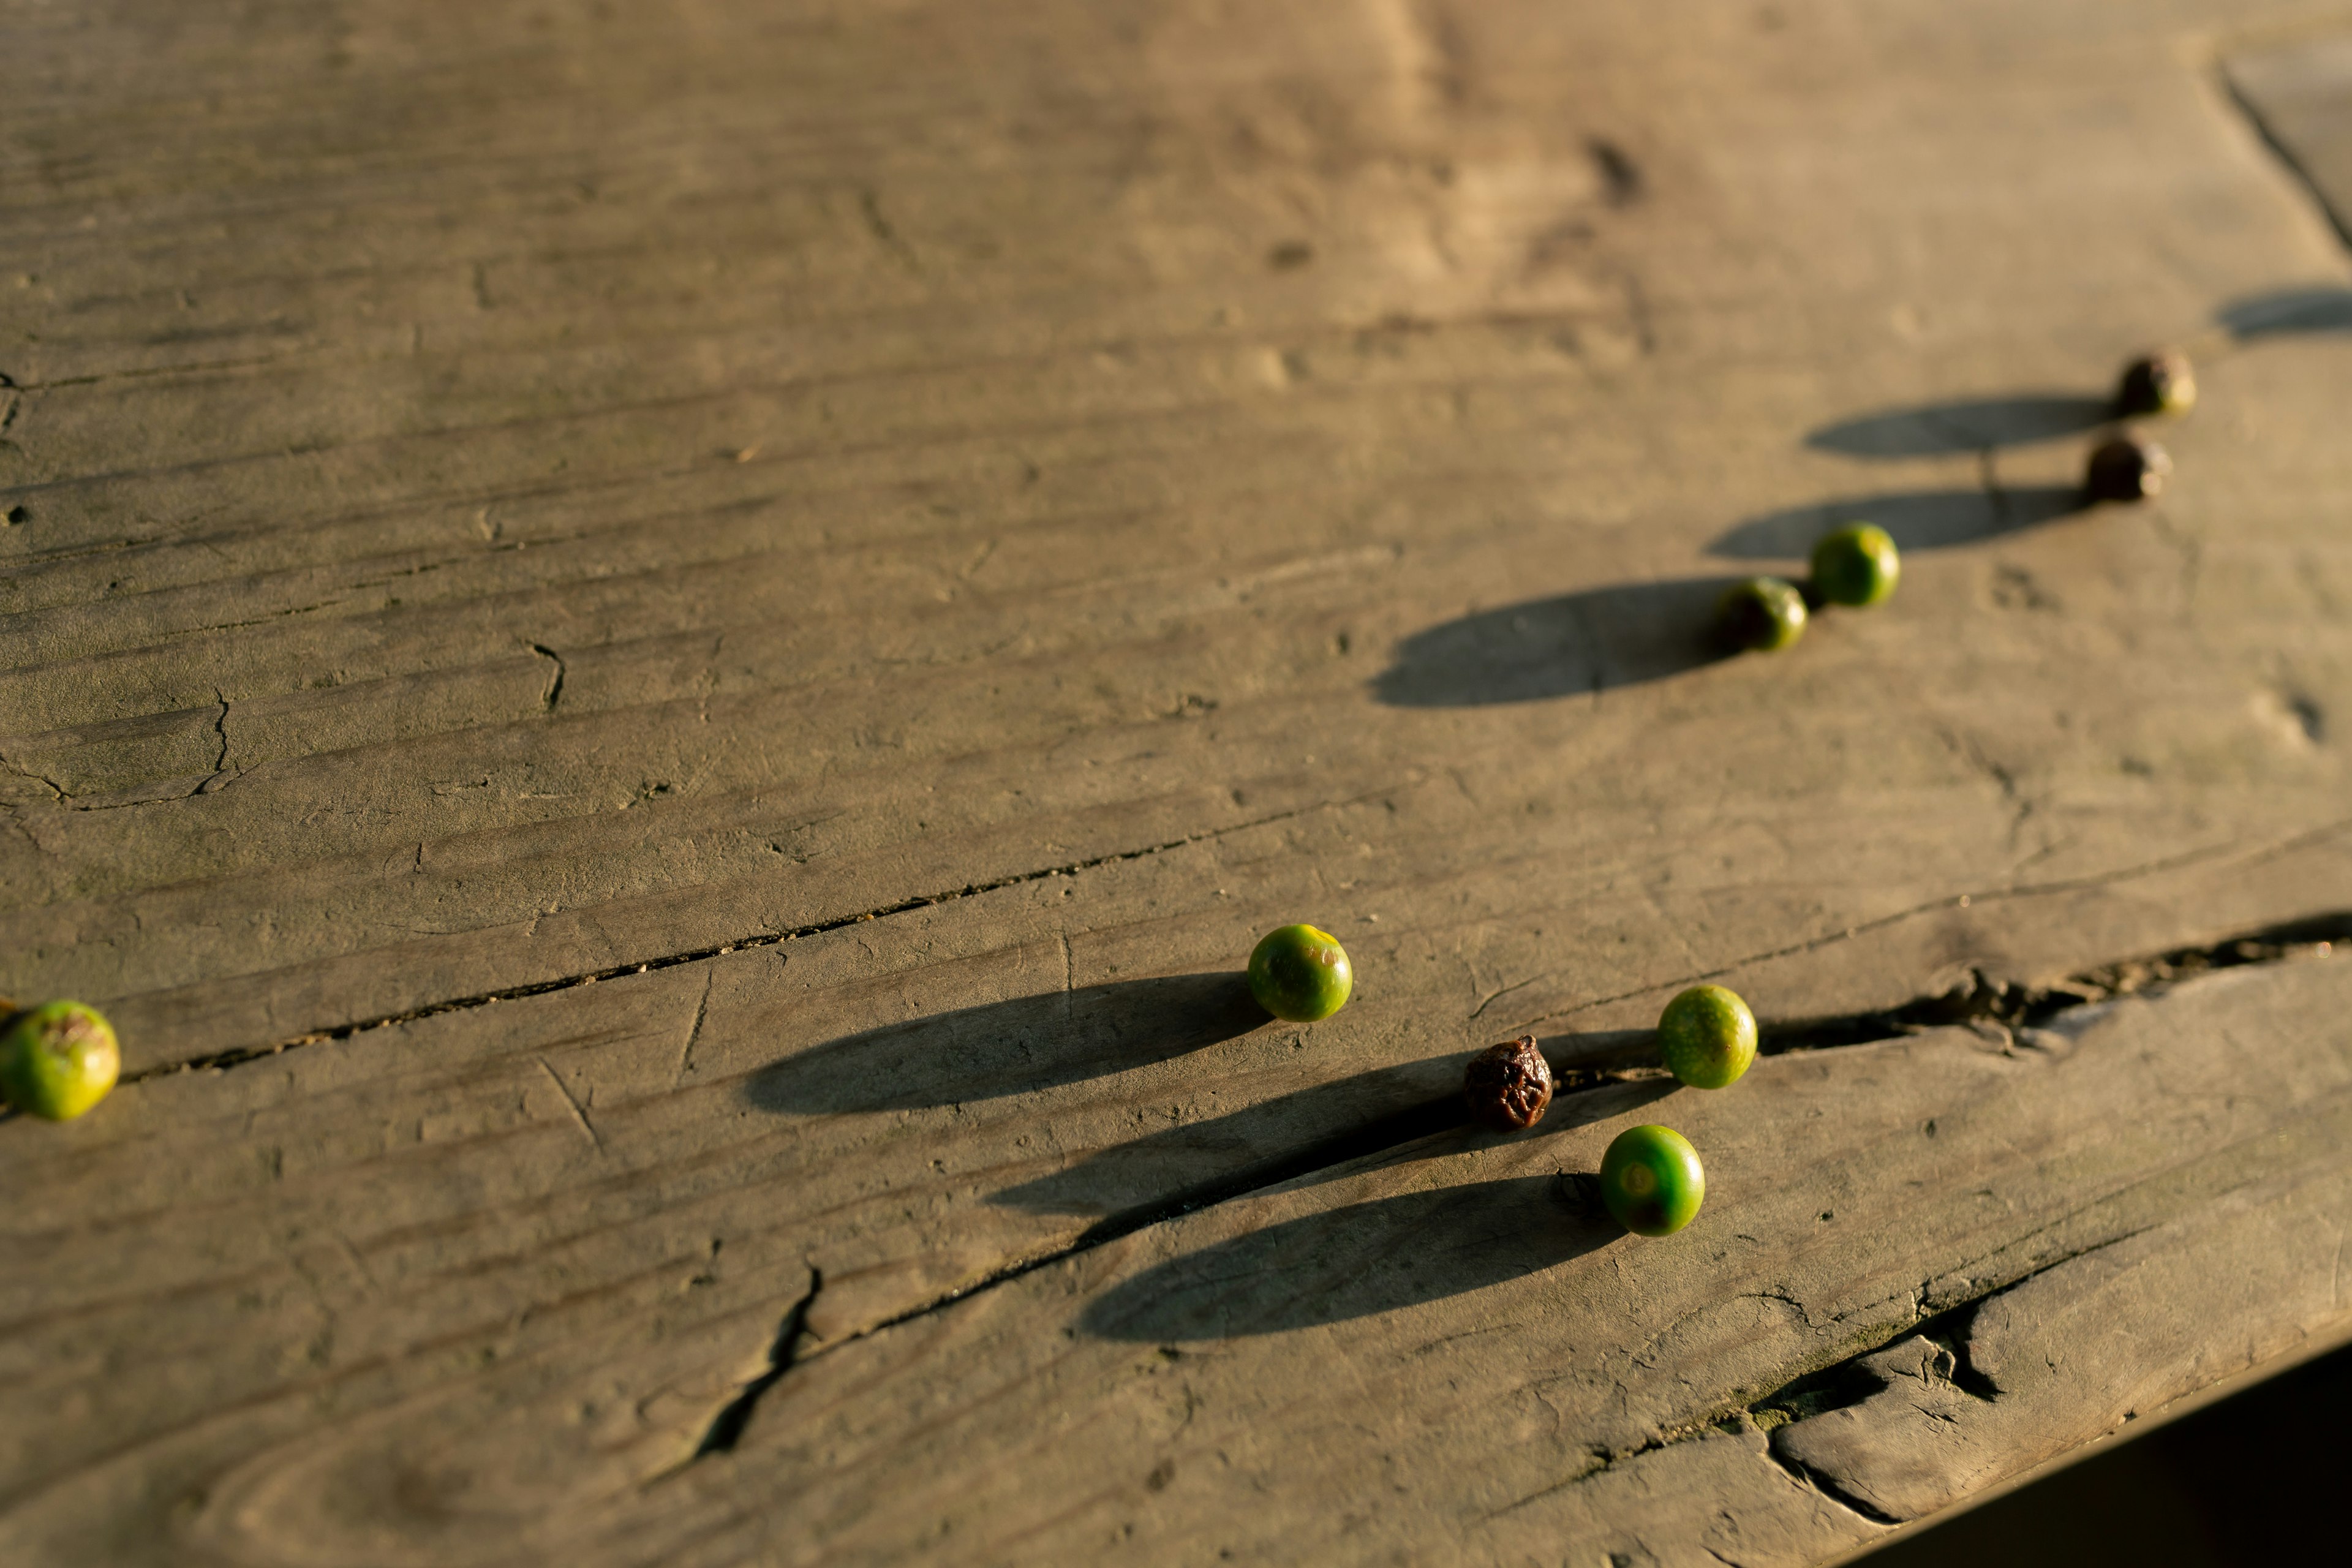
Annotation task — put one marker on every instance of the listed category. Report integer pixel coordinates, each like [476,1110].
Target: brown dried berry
[1508,1085]
[2127,469]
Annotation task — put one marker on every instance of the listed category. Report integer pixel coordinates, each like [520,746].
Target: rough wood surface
[682,648]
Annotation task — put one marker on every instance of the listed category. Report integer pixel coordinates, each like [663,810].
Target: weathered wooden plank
[934,448]
[1479,1347]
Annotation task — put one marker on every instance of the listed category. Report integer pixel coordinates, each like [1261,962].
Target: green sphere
[1651,1180]
[1760,615]
[1856,565]
[2163,382]
[1708,1036]
[1300,974]
[58,1059]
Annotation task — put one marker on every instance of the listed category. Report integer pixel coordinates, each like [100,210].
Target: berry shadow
[1921,520]
[1573,645]
[2285,311]
[1356,1262]
[1197,1164]
[1012,1048]
[1972,425]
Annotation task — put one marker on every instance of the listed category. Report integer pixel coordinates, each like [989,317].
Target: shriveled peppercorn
[1508,1086]
[2127,469]
[1761,614]
[2162,382]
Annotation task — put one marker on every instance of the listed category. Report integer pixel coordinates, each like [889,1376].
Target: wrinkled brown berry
[1508,1085]
[2160,383]
[2127,469]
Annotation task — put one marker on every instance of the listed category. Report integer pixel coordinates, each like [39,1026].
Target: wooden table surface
[663,658]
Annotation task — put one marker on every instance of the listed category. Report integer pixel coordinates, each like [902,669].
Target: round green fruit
[58,1059]
[1857,565]
[2163,382]
[1300,974]
[1651,1180]
[1760,615]
[1708,1036]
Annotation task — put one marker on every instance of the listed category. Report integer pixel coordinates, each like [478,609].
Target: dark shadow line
[726,1428]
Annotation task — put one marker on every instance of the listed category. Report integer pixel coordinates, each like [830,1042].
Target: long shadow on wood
[1374,1111]
[2322,309]
[1972,425]
[1011,1047]
[1356,1262]
[1573,645]
[1916,521]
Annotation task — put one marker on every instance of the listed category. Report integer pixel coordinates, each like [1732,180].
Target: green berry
[1856,565]
[1708,1036]
[1761,614]
[2163,382]
[1300,974]
[1651,1180]
[58,1059]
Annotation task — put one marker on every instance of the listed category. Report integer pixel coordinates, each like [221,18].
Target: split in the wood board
[2280,148]
[726,1428]
[221,776]
[239,1056]
[1954,901]
[1941,1335]
[554,692]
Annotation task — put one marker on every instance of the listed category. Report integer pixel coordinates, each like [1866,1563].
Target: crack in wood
[1954,901]
[2340,221]
[726,1428]
[240,1054]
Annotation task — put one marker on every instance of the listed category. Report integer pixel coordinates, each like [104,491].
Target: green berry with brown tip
[1708,1036]
[1300,974]
[1651,1180]
[58,1059]
[1760,615]
[2162,382]
[1856,565]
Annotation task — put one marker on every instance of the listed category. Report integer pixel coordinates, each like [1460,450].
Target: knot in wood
[1508,1086]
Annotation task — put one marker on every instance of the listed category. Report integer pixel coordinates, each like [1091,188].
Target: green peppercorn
[2127,469]
[1299,974]
[1856,565]
[1708,1036]
[1761,614]
[1651,1180]
[2162,382]
[58,1059]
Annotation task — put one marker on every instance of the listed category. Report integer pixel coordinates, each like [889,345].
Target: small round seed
[58,1059]
[1708,1036]
[1508,1086]
[1651,1180]
[1759,615]
[2127,469]
[1857,565]
[2162,382]
[1300,974]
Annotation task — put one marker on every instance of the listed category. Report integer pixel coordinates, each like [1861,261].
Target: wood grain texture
[685,647]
